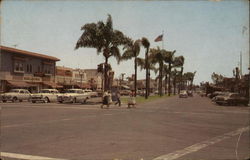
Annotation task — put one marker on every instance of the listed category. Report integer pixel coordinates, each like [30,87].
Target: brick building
[24,69]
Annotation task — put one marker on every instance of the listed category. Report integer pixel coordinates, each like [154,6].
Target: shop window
[29,68]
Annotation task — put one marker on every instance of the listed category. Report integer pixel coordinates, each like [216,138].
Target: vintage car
[125,92]
[91,93]
[74,96]
[231,99]
[218,94]
[45,95]
[183,94]
[15,95]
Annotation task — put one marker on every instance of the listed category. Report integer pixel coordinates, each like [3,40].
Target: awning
[52,84]
[18,84]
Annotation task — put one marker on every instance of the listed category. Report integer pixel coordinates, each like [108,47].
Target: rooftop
[18,51]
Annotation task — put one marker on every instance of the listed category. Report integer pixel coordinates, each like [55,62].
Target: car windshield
[14,91]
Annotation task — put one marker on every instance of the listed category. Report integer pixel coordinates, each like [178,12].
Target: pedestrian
[118,98]
[131,100]
[105,99]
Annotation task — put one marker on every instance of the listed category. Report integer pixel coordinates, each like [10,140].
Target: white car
[45,95]
[15,95]
[183,94]
[74,96]
[91,93]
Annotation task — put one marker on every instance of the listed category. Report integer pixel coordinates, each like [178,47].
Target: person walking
[105,99]
[118,98]
[131,100]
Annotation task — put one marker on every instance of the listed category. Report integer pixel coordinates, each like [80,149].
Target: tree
[158,56]
[217,78]
[132,50]
[103,38]
[189,77]
[170,61]
[146,45]
[178,62]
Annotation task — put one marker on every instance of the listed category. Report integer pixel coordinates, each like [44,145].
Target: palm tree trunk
[148,82]
[166,82]
[106,74]
[147,75]
[174,84]
[169,76]
[160,78]
[135,80]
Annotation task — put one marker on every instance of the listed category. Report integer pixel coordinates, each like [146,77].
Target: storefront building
[24,69]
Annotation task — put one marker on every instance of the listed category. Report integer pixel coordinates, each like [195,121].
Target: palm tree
[160,57]
[105,39]
[132,50]
[170,61]
[189,77]
[146,45]
[177,63]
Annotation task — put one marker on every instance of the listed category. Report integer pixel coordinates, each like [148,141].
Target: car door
[26,95]
[53,95]
[21,95]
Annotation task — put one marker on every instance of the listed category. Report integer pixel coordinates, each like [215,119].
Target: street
[164,129]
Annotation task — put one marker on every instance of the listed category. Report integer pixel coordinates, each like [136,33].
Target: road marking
[198,146]
[28,157]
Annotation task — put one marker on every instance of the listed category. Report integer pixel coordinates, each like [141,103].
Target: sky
[209,34]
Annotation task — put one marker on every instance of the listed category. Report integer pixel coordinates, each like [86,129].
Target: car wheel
[33,101]
[60,101]
[14,99]
[46,100]
[4,101]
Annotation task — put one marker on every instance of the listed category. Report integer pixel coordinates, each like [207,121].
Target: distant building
[94,78]
[24,69]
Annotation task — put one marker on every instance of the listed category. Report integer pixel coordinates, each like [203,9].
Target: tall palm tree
[178,62]
[165,73]
[132,50]
[189,76]
[105,39]
[159,57]
[170,61]
[146,45]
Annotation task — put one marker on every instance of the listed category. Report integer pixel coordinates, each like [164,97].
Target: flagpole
[162,39]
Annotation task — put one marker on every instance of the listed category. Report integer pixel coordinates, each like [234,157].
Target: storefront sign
[32,79]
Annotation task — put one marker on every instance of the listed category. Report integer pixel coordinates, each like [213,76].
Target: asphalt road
[166,129]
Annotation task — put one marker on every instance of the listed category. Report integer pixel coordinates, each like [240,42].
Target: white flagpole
[162,39]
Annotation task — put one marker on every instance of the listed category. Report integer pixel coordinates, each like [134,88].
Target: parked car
[15,95]
[91,93]
[45,95]
[125,92]
[231,99]
[183,94]
[74,96]
[218,94]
